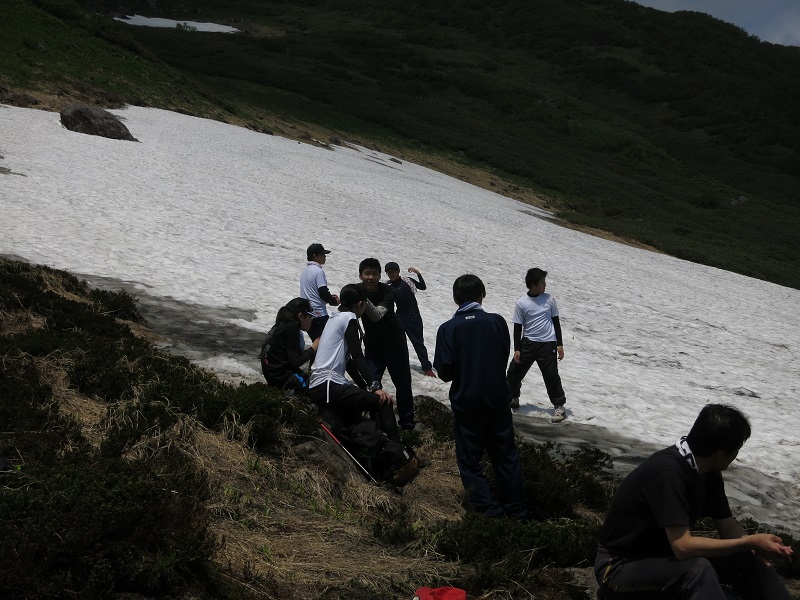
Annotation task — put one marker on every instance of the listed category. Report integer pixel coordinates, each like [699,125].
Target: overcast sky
[776,21]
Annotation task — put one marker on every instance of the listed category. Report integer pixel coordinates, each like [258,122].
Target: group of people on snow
[646,549]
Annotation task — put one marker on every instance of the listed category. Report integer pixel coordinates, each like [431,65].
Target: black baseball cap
[391,266]
[299,305]
[314,249]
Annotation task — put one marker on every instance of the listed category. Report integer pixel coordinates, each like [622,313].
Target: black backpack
[384,459]
[265,346]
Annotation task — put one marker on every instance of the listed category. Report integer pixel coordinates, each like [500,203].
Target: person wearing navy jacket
[471,353]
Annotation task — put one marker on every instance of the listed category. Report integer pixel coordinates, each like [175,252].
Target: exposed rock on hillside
[94,121]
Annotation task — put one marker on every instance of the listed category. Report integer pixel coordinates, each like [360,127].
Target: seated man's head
[719,431]
[353,298]
[392,271]
[369,270]
[468,288]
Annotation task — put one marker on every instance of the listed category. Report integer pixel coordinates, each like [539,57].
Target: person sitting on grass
[339,344]
[647,548]
[284,353]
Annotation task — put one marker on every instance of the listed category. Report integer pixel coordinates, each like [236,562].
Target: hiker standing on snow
[537,338]
[647,548]
[339,345]
[314,287]
[384,339]
[471,351]
[407,310]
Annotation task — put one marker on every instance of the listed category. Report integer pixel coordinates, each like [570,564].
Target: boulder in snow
[94,121]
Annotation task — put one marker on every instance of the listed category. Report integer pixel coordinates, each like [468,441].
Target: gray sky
[776,21]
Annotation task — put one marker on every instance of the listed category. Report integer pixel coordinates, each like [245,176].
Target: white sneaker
[515,402]
[559,414]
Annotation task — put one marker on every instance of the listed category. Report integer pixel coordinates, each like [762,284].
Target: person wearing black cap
[284,353]
[407,310]
[314,287]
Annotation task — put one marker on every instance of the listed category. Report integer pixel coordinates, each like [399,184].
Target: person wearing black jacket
[285,353]
[471,352]
[385,344]
[407,310]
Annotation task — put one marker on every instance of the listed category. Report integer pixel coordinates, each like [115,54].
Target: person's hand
[413,270]
[335,300]
[315,344]
[560,350]
[516,356]
[768,547]
[385,397]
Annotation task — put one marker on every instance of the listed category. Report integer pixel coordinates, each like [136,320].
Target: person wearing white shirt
[314,287]
[537,339]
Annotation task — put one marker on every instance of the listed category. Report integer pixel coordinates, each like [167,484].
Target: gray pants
[665,578]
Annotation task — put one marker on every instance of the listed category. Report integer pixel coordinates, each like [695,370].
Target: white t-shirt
[535,314]
[311,280]
[331,358]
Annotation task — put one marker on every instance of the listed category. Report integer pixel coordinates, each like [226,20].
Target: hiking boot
[559,414]
[515,402]
[430,373]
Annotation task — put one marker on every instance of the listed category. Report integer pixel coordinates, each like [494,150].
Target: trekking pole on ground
[341,445]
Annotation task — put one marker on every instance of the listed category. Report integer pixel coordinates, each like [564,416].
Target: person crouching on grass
[341,342]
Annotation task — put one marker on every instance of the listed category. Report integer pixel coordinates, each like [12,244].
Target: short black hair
[718,427]
[534,276]
[369,263]
[351,295]
[468,288]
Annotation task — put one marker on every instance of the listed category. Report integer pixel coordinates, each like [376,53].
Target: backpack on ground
[385,460]
[399,463]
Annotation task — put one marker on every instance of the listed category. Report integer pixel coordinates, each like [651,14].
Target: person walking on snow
[407,310]
[314,287]
[537,338]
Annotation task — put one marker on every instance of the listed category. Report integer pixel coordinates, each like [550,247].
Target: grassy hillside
[125,470]
[676,130]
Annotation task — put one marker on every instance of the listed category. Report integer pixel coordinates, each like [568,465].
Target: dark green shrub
[268,412]
[504,549]
[101,526]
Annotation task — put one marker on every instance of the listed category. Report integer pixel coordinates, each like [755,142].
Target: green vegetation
[124,469]
[117,501]
[676,130]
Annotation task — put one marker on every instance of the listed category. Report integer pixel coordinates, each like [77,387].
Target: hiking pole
[353,458]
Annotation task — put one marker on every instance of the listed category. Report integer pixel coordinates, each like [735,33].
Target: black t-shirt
[385,333]
[664,490]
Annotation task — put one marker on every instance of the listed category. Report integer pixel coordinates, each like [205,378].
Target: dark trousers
[317,325]
[395,360]
[545,355]
[350,402]
[690,579]
[491,432]
[412,325]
